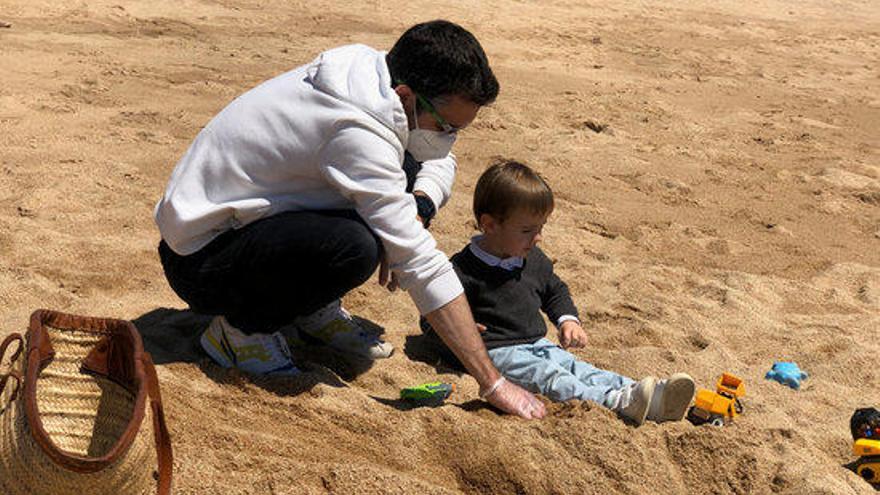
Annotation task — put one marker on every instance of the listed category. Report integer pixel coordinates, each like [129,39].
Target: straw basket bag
[74,414]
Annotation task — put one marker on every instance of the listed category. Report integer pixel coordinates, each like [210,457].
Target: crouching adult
[300,188]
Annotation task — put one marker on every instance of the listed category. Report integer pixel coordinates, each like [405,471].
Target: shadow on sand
[172,336]
[405,405]
[427,347]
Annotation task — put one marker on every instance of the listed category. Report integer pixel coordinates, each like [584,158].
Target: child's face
[515,236]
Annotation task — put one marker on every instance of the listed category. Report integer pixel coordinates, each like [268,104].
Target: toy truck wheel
[716,421]
[737,406]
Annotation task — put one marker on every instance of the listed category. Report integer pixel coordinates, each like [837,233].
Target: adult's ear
[404,91]
[408,100]
[407,97]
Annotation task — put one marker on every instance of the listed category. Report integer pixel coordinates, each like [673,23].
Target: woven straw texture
[83,415]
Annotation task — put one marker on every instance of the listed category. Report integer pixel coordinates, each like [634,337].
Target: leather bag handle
[12,372]
[164,453]
[15,337]
[4,379]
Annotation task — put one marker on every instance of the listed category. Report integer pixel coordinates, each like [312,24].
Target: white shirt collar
[509,264]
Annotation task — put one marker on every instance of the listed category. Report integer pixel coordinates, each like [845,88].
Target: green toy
[433,392]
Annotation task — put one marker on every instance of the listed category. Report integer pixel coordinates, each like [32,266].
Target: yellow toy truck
[720,407]
[865,427]
[868,464]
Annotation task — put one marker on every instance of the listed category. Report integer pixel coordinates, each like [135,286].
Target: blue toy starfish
[787,374]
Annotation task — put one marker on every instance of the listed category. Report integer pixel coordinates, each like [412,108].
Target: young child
[508,280]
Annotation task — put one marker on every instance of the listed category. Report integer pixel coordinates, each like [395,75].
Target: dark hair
[509,185]
[440,58]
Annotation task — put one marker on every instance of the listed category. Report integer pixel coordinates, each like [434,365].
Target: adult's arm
[365,169]
[435,179]
[454,323]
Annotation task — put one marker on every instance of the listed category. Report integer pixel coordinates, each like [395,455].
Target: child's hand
[572,335]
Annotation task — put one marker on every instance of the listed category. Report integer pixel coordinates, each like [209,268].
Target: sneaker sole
[677,395]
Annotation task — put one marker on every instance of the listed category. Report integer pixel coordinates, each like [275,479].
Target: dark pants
[265,274]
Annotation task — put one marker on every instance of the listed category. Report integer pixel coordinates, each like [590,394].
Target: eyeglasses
[445,126]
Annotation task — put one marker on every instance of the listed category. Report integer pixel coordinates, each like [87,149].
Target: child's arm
[557,304]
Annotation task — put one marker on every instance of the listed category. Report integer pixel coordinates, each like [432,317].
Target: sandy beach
[717,175]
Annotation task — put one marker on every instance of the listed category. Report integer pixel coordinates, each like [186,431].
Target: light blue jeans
[547,369]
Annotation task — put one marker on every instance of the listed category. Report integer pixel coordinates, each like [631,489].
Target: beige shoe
[672,396]
[635,400]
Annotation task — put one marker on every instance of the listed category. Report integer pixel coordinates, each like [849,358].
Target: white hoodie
[327,135]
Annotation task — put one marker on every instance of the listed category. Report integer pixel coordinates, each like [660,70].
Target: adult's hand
[513,399]
[387,279]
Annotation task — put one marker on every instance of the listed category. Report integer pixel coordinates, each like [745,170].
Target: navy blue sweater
[509,302]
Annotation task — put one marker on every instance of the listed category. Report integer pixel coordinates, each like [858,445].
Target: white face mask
[427,145]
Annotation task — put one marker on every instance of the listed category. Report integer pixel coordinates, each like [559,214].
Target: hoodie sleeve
[365,168]
[435,179]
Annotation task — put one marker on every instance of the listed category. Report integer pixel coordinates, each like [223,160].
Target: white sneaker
[672,397]
[334,326]
[633,401]
[258,354]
